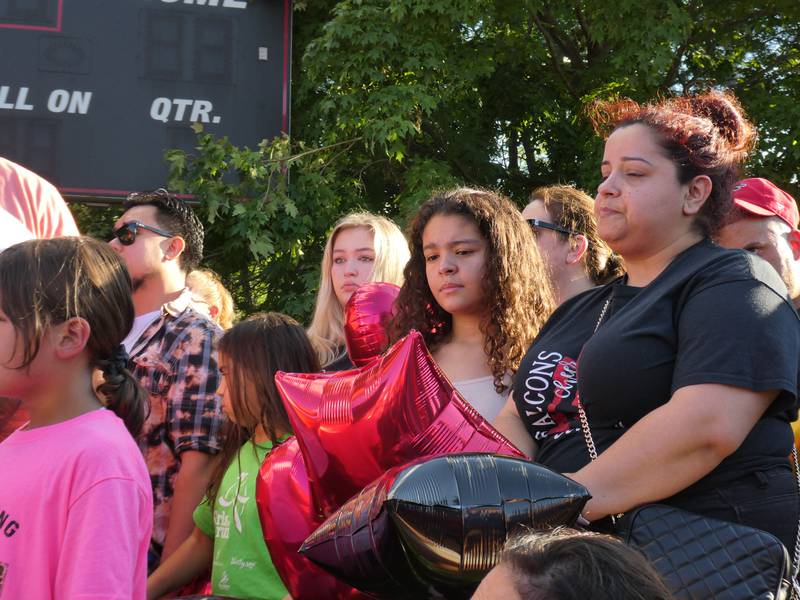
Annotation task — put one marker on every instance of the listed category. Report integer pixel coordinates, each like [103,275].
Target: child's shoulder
[105,448]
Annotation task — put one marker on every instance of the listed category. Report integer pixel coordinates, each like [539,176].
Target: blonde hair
[391,255]
[207,289]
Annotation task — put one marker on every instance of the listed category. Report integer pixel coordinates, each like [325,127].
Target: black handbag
[700,558]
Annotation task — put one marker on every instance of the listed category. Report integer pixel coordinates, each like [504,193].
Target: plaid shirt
[175,359]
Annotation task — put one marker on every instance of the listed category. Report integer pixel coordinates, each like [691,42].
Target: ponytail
[76,277]
[122,393]
[612,268]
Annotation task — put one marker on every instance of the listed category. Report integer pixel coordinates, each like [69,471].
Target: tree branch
[530,153]
[584,25]
[513,150]
[554,60]
[569,49]
[669,79]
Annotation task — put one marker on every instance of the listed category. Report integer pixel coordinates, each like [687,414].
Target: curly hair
[177,217]
[573,209]
[517,293]
[707,134]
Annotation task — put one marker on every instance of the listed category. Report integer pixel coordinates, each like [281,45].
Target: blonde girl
[211,297]
[362,247]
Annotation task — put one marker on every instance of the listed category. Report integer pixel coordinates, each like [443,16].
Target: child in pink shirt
[75,504]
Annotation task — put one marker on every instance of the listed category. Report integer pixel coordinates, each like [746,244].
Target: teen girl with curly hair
[476,288]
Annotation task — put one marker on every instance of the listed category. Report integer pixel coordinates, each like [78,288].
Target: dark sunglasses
[127,232]
[534,223]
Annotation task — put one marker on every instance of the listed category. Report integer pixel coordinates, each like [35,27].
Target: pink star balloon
[365,319]
[354,425]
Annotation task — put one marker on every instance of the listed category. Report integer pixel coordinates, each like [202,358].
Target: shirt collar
[180,304]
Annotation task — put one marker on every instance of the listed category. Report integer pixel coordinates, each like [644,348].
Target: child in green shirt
[228,538]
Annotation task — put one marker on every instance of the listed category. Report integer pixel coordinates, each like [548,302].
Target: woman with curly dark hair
[477,290]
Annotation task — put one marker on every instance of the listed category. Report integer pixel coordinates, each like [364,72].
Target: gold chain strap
[587,433]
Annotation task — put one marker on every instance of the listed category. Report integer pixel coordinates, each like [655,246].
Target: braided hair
[46,282]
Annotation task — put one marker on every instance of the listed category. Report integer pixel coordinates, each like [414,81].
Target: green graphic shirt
[242,567]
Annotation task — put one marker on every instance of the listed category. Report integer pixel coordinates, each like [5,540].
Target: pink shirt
[76,512]
[34,201]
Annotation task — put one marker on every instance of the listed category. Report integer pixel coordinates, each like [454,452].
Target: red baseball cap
[763,198]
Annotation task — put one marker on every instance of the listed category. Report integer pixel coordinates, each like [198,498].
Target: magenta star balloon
[435,527]
[354,425]
[366,316]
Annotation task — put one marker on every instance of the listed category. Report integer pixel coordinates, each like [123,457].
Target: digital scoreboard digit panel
[93,91]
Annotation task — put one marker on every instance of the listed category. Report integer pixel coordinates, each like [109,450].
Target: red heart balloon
[288,517]
[354,425]
[366,316]
[436,526]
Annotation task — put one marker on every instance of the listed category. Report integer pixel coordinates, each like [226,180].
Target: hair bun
[727,115]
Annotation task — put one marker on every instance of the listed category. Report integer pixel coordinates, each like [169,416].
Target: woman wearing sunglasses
[563,223]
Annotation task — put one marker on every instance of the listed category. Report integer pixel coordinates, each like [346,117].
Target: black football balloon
[434,527]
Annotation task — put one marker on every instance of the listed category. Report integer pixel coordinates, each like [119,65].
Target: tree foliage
[393,98]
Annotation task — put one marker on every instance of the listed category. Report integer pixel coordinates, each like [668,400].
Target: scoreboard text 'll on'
[92,92]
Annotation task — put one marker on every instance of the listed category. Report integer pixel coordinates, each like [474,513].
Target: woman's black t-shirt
[712,316]
[545,385]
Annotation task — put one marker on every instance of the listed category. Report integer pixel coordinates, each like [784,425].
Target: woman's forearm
[671,448]
[509,423]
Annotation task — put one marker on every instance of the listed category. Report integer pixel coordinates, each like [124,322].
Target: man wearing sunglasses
[173,351]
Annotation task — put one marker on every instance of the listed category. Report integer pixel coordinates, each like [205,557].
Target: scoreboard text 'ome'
[93,91]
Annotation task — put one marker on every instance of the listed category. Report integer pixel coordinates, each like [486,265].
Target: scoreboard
[92,92]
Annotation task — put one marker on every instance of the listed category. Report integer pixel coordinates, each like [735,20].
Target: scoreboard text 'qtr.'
[92,92]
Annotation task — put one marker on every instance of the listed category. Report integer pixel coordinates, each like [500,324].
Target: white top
[480,393]
[12,231]
[140,323]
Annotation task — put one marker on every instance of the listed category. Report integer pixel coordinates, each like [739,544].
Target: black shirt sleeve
[740,333]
